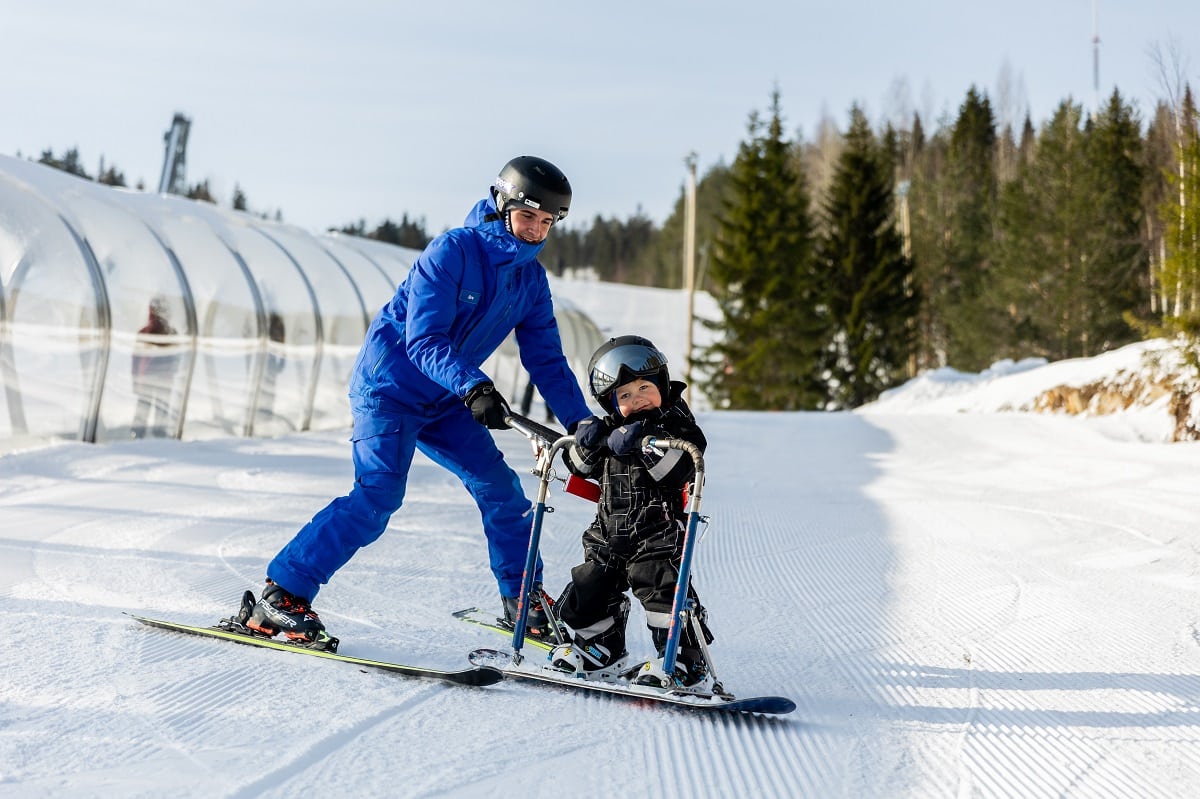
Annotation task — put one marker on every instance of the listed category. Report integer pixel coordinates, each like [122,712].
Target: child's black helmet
[535,183]
[621,359]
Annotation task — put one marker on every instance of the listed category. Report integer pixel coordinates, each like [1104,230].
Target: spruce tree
[764,281]
[970,212]
[70,162]
[200,191]
[1115,284]
[1046,223]
[927,203]
[869,289]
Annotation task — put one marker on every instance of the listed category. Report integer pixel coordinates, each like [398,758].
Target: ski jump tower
[173,179]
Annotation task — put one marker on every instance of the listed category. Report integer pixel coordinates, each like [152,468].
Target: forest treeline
[843,266]
[846,265]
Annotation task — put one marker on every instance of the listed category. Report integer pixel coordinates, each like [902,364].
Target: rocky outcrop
[1125,390]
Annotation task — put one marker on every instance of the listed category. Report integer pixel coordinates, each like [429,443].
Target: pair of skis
[489,666]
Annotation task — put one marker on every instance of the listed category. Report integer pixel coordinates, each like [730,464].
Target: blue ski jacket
[467,291]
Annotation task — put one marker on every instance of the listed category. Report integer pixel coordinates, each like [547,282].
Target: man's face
[530,225]
[637,395]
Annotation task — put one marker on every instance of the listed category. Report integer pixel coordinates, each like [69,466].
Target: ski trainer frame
[547,443]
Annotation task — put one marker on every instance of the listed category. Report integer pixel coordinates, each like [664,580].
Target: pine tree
[1046,223]
[110,176]
[764,281]
[927,205]
[70,162]
[200,191]
[970,211]
[869,291]
[1115,283]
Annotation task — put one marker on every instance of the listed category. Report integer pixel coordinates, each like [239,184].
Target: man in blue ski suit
[417,385]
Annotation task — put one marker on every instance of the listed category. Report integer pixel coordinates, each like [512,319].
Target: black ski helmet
[535,183]
[621,359]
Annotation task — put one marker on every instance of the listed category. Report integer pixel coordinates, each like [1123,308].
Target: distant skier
[636,539]
[417,384]
[153,368]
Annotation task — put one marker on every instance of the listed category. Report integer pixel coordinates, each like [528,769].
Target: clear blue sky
[334,112]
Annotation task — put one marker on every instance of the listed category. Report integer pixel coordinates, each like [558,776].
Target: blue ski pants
[453,440]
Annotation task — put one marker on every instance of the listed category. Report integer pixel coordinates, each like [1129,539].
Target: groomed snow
[962,601]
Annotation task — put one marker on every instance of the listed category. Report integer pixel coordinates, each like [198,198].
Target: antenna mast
[1095,58]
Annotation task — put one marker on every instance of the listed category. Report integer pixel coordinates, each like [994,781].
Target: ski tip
[486,675]
[771,705]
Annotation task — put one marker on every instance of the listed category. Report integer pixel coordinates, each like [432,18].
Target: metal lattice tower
[174,177]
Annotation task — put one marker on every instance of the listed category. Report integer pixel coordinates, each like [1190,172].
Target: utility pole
[906,238]
[689,266]
[1095,59]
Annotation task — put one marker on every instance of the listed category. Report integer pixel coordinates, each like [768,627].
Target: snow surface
[961,601]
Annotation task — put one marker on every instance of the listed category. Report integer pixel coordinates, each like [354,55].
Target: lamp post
[906,233]
[689,266]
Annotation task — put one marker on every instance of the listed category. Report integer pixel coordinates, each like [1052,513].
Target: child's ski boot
[691,672]
[597,650]
[691,669]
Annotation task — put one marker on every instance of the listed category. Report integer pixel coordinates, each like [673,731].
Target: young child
[636,540]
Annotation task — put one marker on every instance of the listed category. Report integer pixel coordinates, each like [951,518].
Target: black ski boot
[536,623]
[279,611]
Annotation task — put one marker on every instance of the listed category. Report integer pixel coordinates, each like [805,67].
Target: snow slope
[962,603]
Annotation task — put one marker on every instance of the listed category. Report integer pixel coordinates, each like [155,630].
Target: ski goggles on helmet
[622,364]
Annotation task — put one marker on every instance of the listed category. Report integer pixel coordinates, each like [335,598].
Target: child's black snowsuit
[636,540]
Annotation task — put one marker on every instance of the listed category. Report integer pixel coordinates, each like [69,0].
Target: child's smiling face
[638,394]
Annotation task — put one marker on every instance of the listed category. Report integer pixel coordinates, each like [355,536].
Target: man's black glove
[487,406]
[591,432]
[625,439]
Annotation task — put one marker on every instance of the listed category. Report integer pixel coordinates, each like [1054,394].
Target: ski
[229,630]
[490,622]
[532,670]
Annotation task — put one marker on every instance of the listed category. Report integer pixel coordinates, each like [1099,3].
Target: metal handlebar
[532,430]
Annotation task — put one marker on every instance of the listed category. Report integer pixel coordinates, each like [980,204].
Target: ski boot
[691,672]
[279,611]
[536,624]
[597,650]
[691,669]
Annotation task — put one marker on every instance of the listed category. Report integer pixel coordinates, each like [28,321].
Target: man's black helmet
[534,183]
[621,359]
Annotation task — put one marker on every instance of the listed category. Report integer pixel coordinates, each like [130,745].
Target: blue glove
[625,439]
[591,432]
